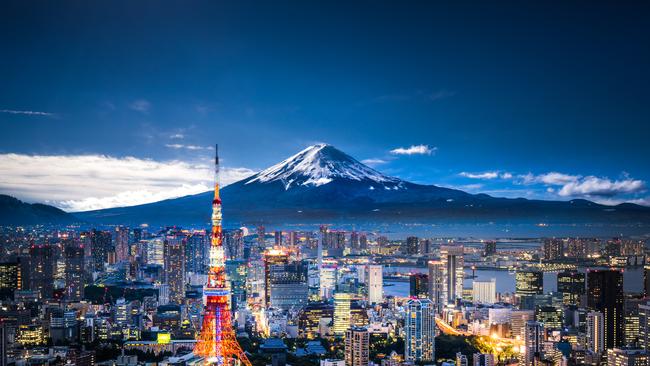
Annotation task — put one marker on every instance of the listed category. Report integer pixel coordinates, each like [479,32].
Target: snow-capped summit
[319,165]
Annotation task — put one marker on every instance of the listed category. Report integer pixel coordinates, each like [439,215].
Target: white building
[375,284]
[499,316]
[327,280]
[453,262]
[484,292]
[595,332]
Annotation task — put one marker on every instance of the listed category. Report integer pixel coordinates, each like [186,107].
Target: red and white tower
[217,342]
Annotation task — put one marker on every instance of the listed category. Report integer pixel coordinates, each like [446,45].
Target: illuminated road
[494,343]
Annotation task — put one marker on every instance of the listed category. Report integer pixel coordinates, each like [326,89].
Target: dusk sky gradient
[117,103]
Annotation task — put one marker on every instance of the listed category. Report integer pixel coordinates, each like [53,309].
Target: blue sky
[537,99]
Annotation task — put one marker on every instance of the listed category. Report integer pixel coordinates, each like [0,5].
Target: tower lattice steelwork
[217,342]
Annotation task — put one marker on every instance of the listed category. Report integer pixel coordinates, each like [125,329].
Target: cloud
[486,175]
[87,182]
[603,187]
[188,147]
[373,161]
[28,113]
[178,136]
[141,105]
[414,150]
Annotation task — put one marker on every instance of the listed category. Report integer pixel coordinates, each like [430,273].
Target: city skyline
[530,108]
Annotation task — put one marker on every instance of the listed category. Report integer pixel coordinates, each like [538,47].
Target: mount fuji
[323,184]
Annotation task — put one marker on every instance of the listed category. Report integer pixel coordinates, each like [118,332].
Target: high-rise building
[453,261]
[288,285]
[412,245]
[595,339]
[518,320]
[41,270]
[553,249]
[426,246]
[420,330]
[74,272]
[175,268]
[101,243]
[277,235]
[644,326]
[605,294]
[155,251]
[461,359]
[121,240]
[533,343]
[357,347]
[419,285]
[375,284]
[627,357]
[437,285]
[484,292]
[237,271]
[342,316]
[646,281]
[10,279]
[483,359]
[489,248]
[571,284]
[528,283]
[550,316]
[327,279]
[196,251]
[272,257]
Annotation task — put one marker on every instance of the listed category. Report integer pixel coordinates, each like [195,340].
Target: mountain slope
[322,184]
[16,212]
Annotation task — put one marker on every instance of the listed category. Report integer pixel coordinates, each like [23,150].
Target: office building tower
[571,284]
[288,286]
[237,272]
[644,326]
[342,314]
[196,251]
[272,257]
[528,283]
[453,261]
[483,359]
[41,270]
[484,292]
[121,240]
[426,247]
[101,243]
[261,237]
[518,320]
[605,294]
[461,359]
[489,248]
[375,284]
[10,279]
[357,347]
[174,268]
[309,318]
[412,245]
[595,338]
[627,357]
[437,285]
[419,285]
[327,279]
[553,249]
[533,343]
[419,330]
[74,272]
[550,316]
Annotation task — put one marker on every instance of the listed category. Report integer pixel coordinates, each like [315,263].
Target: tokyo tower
[217,342]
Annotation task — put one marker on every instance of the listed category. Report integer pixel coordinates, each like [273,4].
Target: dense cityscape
[127,296]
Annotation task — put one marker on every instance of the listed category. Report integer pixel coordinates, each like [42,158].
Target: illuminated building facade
[595,340]
[74,272]
[272,257]
[342,316]
[528,283]
[420,330]
[10,279]
[288,285]
[605,294]
[175,268]
[437,285]
[101,243]
[41,270]
[419,285]
[571,284]
[357,347]
[375,284]
[453,262]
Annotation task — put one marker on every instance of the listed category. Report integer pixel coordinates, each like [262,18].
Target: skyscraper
[121,241]
[342,316]
[605,294]
[571,284]
[272,257]
[327,279]
[375,284]
[484,291]
[357,347]
[196,251]
[419,327]
[528,283]
[419,285]
[10,279]
[175,268]
[533,341]
[101,243]
[627,357]
[41,270]
[288,285]
[453,261]
[644,326]
[489,248]
[74,272]
[595,340]
[412,245]
[553,249]
[518,320]
[437,285]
